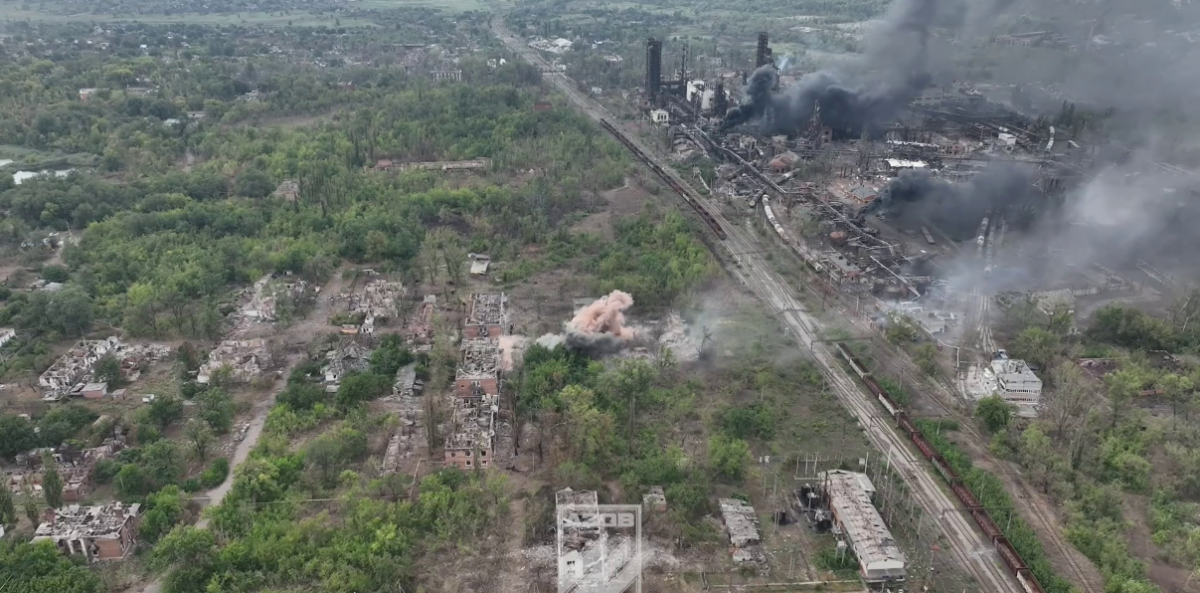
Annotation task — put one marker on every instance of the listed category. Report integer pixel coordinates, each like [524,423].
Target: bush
[53,273]
[105,471]
[215,473]
[191,485]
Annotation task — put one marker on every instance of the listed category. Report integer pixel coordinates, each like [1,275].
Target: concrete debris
[478,371]
[102,532]
[376,301]
[351,355]
[246,360]
[420,326]
[741,524]
[487,316]
[72,372]
[655,500]
[472,440]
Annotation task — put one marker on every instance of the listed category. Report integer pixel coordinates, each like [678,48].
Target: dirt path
[300,332]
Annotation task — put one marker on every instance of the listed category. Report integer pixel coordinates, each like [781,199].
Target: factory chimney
[653,69]
[720,104]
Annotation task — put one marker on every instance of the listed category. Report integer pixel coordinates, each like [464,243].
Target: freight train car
[1007,552]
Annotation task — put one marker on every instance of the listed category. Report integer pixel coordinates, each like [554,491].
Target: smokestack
[653,69]
[720,103]
[894,71]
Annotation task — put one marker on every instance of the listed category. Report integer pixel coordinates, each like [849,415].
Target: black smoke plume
[917,197]
[894,72]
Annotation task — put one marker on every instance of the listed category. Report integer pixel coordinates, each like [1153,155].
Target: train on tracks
[668,179]
[1007,552]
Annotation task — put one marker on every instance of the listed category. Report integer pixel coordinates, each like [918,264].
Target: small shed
[94,390]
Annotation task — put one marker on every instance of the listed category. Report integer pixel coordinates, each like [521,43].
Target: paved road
[974,552]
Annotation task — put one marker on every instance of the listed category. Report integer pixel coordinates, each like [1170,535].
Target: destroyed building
[478,373]
[472,440]
[741,524]
[352,355]
[848,495]
[76,365]
[420,326]
[1016,382]
[487,316]
[98,533]
[375,302]
[595,551]
[246,360]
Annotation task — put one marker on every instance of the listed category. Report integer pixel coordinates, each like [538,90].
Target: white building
[1016,382]
[660,116]
[879,558]
[6,334]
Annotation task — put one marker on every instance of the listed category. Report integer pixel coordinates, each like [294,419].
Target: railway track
[752,271]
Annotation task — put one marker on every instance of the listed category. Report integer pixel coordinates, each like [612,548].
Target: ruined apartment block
[420,326]
[97,533]
[487,317]
[245,358]
[478,372]
[472,442]
[75,366]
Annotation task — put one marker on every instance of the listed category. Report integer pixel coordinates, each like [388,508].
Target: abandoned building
[76,365]
[487,316]
[849,498]
[97,533]
[655,500]
[587,549]
[246,359]
[1016,382]
[352,355]
[420,326]
[479,263]
[375,301]
[472,441]
[288,190]
[478,371]
[741,524]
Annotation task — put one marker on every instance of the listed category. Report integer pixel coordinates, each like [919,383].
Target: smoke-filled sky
[894,69]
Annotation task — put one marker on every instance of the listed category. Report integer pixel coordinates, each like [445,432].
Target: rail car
[668,179]
[1016,565]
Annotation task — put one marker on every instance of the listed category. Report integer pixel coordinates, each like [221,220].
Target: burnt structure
[762,54]
[653,69]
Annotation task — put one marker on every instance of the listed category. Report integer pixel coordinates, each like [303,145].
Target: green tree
[590,431]
[1178,390]
[900,331]
[41,568]
[1036,346]
[16,436]
[165,410]
[108,369]
[163,510]
[199,436]
[253,183]
[54,273]
[184,544]
[69,311]
[994,412]
[8,509]
[925,356]
[728,457]
[163,462]
[215,407]
[52,484]
[33,511]
[131,482]
[361,388]
[1122,386]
